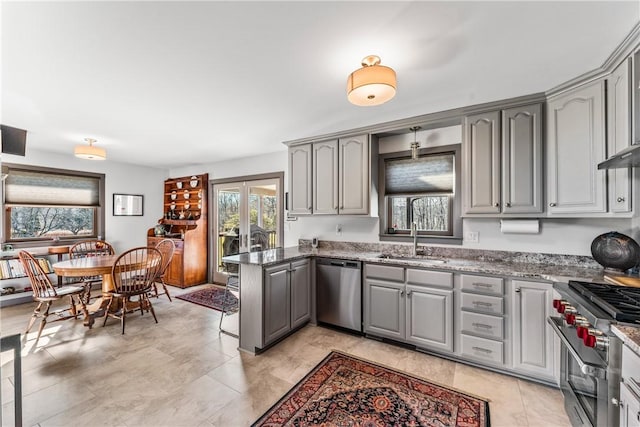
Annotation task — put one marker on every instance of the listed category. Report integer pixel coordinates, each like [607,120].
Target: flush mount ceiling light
[90,152]
[415,144]
[373,84]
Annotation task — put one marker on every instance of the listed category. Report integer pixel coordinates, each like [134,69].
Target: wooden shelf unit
[189,264]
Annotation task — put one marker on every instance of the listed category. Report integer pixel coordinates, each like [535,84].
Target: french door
[247,217]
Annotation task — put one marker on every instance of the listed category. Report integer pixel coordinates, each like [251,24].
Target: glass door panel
[247,218]
[227,200]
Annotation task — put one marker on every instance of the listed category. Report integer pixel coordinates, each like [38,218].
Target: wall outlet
[472,237]
[339,229]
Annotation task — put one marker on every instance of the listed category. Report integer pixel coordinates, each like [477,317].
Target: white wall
[123,232]
[561,236]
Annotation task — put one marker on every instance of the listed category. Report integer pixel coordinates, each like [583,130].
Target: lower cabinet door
[429,317]
[175,269]
[277,303]
[629,407]
[384,309]
[300,293]
[533,339]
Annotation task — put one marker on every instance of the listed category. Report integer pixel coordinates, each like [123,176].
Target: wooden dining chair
[134,273]
[90,248]
[45,294]
[166,248]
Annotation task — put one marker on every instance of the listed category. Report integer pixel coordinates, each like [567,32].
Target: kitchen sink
[422,259]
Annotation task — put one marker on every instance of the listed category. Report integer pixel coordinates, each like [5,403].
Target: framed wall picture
[128,204]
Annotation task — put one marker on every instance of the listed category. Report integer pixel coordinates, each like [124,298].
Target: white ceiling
[172,84]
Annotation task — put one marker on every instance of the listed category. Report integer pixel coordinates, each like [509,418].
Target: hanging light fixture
[90,152]
[373,84]
[415,144]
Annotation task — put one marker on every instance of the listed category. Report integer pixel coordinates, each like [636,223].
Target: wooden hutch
[185,222]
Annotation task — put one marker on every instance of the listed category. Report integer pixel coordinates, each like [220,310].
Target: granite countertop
[630,336]
[530,270]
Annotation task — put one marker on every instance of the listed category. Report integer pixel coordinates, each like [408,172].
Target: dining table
[95,266]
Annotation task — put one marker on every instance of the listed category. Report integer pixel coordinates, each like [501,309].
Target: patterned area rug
[343,390]
[212,297]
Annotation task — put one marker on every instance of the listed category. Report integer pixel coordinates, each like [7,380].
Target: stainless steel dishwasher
[339,293]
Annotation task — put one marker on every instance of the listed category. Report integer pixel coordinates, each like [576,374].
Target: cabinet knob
[409,294]
[518,290]
[336,208]
[401,293]
[620,199]
[497,205]
[341,207]
[553,205]
[309,208]
[508,204]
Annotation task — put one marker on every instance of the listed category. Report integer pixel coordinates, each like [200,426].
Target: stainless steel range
[591,354]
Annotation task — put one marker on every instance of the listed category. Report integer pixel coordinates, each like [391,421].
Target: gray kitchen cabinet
[384,308]
[575,146]
[300,184]
[533,340]
[277,302]
[331,177]
[300,293]
[503,161]
[629,388]
[629,407]
[287,298]
[522,159]
[416,307]
[325,177]
[619,95]
[482,163]
[353,175]
[429,320]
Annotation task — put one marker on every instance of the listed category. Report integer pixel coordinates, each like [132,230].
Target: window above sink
[425,190]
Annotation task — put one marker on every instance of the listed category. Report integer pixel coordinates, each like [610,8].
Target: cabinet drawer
[385,272]
[430,278]
[482,303]
[481,348]
[488,285]
[482,324]
[630,364]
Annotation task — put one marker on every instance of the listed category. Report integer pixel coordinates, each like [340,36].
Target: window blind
[44,188]
[427,174]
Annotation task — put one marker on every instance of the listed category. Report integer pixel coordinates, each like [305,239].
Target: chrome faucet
[414,234]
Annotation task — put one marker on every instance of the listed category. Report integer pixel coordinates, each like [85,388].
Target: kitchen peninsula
[485,292]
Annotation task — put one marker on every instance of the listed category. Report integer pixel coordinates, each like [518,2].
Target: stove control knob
[596,339]
[570,318]
[557,303]
[582,330]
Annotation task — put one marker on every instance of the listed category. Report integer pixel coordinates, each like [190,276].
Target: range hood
[630,156]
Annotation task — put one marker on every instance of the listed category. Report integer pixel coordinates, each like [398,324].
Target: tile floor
[183,372]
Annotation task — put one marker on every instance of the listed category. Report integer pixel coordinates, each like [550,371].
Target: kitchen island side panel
[251,307]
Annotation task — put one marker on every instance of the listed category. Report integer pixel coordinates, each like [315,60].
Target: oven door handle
[585,368]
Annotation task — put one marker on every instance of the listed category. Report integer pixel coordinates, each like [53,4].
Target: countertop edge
[630,336]
[548,273]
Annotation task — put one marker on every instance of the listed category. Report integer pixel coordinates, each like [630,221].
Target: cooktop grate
[622,303]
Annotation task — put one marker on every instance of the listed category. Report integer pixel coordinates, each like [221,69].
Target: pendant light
[90,152]
[373,84]
[415,144]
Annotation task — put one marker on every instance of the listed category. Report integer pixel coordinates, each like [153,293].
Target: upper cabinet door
[522,159]
[354,175]
[619,121]
[482,163]
[325,177]
[300,180]
[575,146]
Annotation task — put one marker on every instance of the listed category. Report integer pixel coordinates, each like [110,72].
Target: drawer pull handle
[482,350]
[481,285]
[481,325]
[482,304]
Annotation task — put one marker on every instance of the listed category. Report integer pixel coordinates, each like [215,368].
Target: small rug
[344,390]
[212,297]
